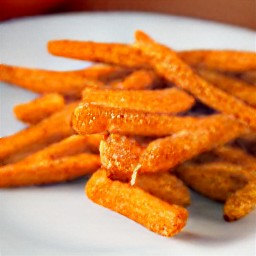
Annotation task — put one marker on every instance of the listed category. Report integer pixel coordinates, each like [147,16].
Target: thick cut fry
[48,171]
[90,118]
[223,60]
[164,186]
[167,64]
[164,154]
[241,203]
[53,129]
[112,53]
[134,203]
[40,108]
[233,86]
[138,80]
[119,156]
[235,155]
[214,180]
[46,81]
[167,101]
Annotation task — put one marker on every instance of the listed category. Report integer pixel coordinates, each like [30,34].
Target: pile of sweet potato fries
[146,122]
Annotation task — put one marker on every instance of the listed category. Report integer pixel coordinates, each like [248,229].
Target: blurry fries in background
[134,121]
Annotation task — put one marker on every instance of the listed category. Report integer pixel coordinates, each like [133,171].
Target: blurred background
[237,12]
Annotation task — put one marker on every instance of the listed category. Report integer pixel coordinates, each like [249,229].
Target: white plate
[59,219]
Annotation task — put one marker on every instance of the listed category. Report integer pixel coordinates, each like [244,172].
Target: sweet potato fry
[167,64]
[223,60]
[167,101]
[111,53]
[164,186]
[166,153]
[235,155]
[233,86]
[241,203]
[249,77]
[156,215]
[46,81]
[90,118]
[138,80]
[52,129]
[36,110]
[119,156]
[48,171]
[217,180]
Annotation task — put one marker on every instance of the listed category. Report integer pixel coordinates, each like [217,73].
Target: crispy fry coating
[48,171]
[138,80]
[111,53]
[217,180]
[156,215]
[241,203]
[235,155]
[167,101]
[119,156]
[164,186]
[46,81]
[52,129]
[36,110]
[166,153]
[233,86]
[223,60]
[167,64]
[90,118]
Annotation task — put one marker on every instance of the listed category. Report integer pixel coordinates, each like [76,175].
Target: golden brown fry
[112,53]
[138,80]
[235,155]
[46,81]
[241,203]
[167,101]
[223,60]
[233,86]
[167,64]
[48,171]
[164,186]
[119,156]
[90,118]
[164,154]
[134,203]
[36,110]
[52,129]
[217,180]
[75,144]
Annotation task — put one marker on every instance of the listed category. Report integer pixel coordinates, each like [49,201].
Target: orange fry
[48,171]
[138,80]
[223,60]
[241,203]
[119,156]
[46,81]
[166,153]
[90,118]
[111,53]
[167,64]
[249,77]
[235,155]
[233,86]
[36,110]
[156,215]
[217,180]
[167,101]
[52,129]
[164,186]
[75,144]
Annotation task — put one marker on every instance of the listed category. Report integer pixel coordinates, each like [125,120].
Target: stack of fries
[146,122]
